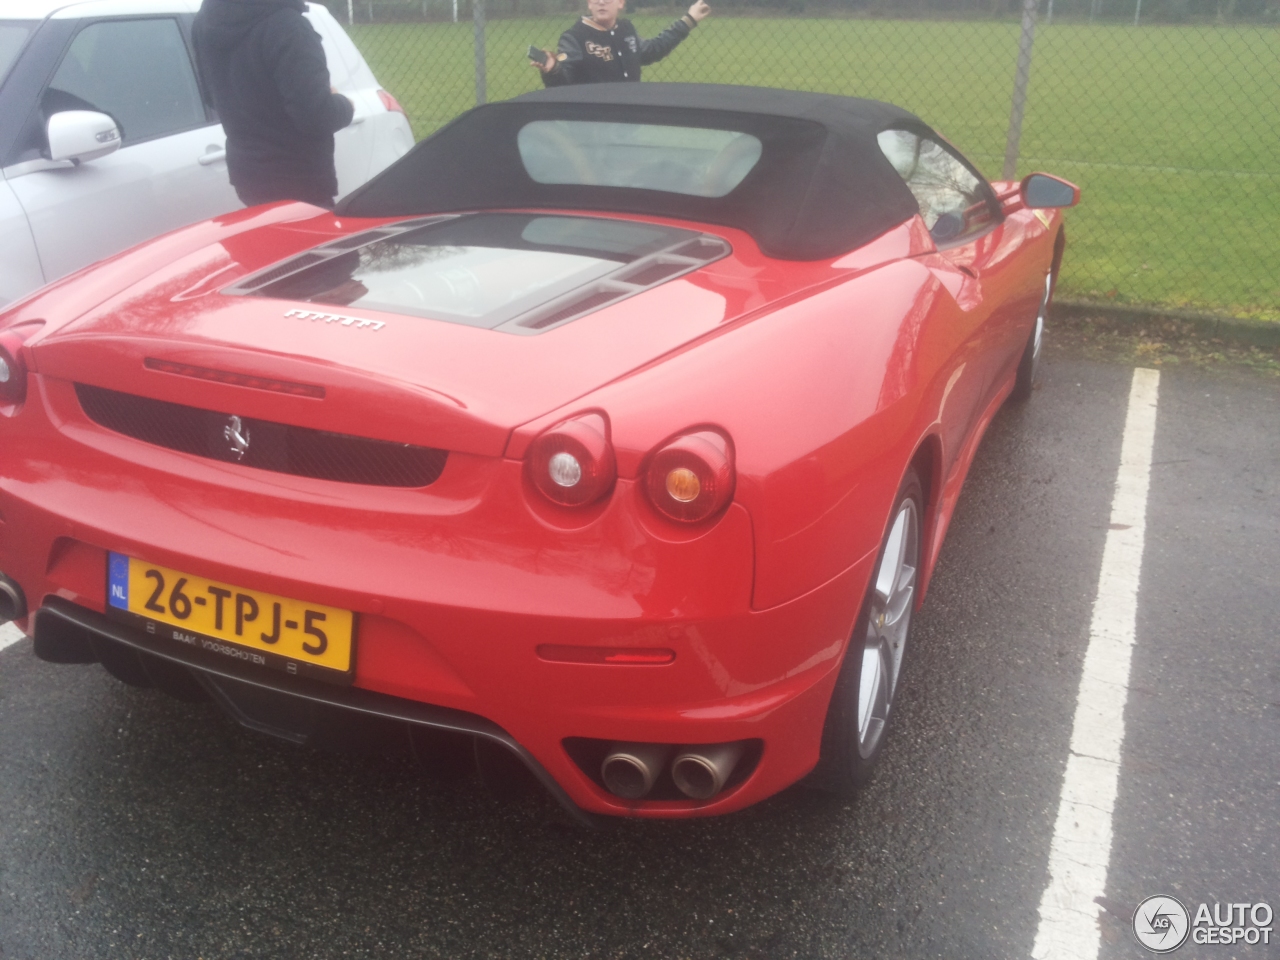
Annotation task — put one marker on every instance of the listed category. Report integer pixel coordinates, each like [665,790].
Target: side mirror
[80,135]
[1039,190]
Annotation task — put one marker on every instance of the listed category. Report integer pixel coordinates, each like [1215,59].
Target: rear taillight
[573,463]
[13,369]
[691,478]
[390,102]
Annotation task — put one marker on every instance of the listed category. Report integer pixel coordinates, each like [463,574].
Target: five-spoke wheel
[866,689]
[892,595]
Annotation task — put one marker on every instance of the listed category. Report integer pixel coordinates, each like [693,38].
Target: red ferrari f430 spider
[613,431]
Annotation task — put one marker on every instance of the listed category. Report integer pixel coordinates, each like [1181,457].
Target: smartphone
[537,54]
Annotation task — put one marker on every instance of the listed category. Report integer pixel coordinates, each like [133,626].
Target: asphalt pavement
[132,825]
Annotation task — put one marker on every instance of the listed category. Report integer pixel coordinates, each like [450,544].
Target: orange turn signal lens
[683,485]
[691,478]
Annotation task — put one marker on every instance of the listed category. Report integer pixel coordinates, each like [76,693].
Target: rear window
[695,161]
[13,34]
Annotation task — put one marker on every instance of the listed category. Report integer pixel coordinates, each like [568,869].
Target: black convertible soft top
[820,188]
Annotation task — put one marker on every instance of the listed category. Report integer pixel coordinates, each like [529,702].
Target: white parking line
[1081,849]
[9,635]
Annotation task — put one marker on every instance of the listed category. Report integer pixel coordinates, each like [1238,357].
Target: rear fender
[819,461]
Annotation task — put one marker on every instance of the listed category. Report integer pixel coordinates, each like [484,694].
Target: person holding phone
[603,48]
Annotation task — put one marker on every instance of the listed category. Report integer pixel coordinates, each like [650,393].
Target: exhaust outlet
[702,772]
[13,605]
[630,769]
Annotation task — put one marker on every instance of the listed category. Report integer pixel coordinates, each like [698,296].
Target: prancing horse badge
[237,437]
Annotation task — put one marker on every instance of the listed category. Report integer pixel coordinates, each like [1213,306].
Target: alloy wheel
[892,598]
[1040,317]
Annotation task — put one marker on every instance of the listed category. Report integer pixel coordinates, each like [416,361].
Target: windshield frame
[6,67]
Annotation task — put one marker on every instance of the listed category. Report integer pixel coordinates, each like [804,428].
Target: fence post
[351,12]
[1020,89]
[1137,12]
[477,22]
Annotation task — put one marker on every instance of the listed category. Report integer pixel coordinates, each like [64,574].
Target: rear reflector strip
[624,656]
[235,379]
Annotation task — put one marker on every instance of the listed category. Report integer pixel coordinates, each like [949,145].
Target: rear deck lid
[427,331]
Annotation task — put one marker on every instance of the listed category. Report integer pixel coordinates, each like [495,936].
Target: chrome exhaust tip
[13,605]
[702,772]
[631,769]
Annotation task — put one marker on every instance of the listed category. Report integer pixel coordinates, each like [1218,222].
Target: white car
[107,139]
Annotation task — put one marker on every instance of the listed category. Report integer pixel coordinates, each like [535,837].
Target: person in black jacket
[601,48]
[264,67]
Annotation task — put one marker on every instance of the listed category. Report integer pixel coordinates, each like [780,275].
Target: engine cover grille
[261,443]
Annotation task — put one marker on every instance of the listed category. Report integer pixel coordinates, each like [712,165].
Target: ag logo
[1161,924]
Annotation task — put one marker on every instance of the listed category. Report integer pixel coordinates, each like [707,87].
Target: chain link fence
[1165,112]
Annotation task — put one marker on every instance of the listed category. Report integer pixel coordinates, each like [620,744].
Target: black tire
[857,719]
[1029,365]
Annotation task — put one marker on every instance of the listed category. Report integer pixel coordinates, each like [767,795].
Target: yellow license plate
[220,618]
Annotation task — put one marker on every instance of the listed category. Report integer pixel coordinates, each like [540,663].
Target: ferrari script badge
[358,322]
[237,437]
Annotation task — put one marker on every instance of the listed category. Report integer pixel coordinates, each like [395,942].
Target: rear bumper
[476,672]
[66,633]
[786,718]
[455,588]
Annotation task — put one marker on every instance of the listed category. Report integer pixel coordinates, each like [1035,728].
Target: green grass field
[1172,132]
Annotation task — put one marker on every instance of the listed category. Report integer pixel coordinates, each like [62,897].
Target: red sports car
[613,431]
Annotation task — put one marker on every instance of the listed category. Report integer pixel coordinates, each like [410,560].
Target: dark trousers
[255,194]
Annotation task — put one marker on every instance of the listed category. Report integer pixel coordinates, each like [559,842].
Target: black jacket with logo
[610,56]
[264,66]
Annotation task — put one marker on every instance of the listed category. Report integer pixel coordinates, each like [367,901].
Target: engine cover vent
[279,447]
